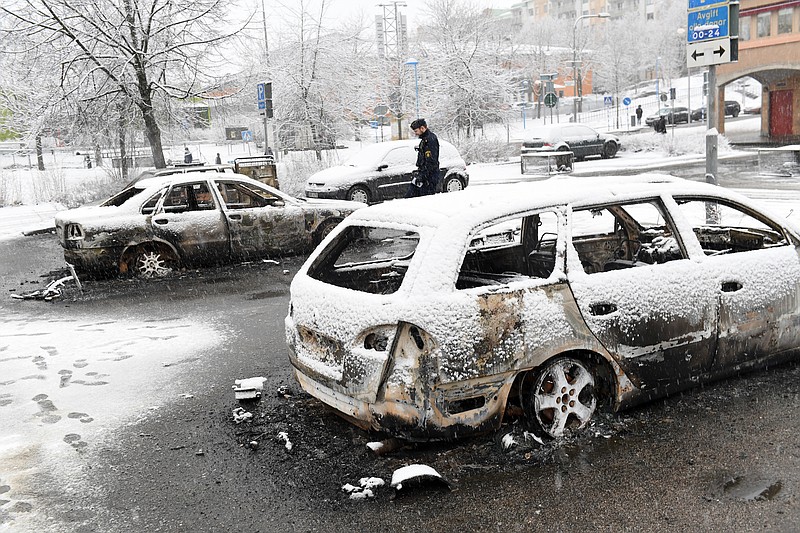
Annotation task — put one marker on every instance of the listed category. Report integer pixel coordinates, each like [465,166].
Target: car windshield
[122,196]
[364,158]
[366,259]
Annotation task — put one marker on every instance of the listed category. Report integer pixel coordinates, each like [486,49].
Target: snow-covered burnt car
[382,171]
[580,139]
[427,318]
[193,219]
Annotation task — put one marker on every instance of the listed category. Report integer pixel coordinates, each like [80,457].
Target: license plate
[311,194]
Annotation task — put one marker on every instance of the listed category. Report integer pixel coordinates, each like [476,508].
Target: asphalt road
[721,458]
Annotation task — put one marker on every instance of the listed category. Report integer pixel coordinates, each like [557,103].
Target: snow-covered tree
[140,53]
[463,81]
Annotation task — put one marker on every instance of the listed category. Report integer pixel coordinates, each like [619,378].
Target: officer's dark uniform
[427,162]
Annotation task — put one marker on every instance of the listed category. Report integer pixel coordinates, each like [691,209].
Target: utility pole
[266,51]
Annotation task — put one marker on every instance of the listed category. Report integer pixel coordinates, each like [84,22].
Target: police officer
[426,179]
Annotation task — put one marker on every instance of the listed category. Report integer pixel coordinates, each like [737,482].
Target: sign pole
[711,132]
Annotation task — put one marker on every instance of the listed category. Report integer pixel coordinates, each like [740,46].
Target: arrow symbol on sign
[695,55]
[720,51]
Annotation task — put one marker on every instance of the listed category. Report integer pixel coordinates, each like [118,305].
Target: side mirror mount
[383,166]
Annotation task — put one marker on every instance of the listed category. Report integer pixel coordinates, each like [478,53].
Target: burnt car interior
[239,196]
[510,250]
[606,238]
[725,228]
[189,197]
[621,236]
[366,259]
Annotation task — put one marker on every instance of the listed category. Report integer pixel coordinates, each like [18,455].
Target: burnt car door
[512,279]
[649,305]
[260,221]
[755,266]
[191,220]
[395,172]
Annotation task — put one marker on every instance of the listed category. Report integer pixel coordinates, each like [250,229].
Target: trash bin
[633,120]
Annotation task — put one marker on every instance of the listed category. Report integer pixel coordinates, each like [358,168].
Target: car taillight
[73,232]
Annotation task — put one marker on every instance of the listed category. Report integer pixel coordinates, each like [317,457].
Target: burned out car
[427,318]
[193,219]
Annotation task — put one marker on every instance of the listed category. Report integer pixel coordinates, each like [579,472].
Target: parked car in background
[673,115]
[182,168]
[430,318]
[732,109]
[583,141]
[197,218]
[382,171]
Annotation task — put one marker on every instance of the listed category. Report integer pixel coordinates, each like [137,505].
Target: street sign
[380,110]
[708,53]
[550,99]
[608,101]
[626,101]
[262,95]
[374,124]
[708,24]
[247,135]
[701,4]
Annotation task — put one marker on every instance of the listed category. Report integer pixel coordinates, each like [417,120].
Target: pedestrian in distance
[426,178]
[639,113]
[660,125]
[218,159]
[187,155]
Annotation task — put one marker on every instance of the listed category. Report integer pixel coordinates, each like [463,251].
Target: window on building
[763,22]
[744,29]
[785,20]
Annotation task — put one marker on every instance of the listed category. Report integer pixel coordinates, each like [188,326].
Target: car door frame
[627,311]
[199,236]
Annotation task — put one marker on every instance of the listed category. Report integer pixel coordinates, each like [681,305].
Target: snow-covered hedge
[673,145]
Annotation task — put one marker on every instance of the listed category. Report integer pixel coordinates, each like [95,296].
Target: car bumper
[327,194]
[93,259]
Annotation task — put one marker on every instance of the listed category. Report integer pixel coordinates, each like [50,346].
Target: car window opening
[510,250]
[624,236]
[724,228]
[366,259]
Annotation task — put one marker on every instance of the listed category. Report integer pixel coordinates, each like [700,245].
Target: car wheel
[453,183]
[559,397]
[735,114]
[152,262]
[324,229]
[610,150]
[359,193]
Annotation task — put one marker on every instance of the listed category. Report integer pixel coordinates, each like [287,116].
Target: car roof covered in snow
[475,205]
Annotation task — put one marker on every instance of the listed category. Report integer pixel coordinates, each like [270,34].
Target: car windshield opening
[122,197]
[366,259]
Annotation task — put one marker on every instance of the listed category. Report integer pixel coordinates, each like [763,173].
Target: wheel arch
[130,251]
[605,369]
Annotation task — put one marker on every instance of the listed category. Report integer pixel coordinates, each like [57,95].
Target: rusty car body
[191,219]
[427,318]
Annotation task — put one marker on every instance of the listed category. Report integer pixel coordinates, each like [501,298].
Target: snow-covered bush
[692,143]
[485,150]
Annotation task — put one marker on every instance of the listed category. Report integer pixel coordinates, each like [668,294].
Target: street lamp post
[578,92]
[413,62]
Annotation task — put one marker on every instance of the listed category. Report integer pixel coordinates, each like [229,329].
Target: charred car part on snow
[427,318]
[193,219]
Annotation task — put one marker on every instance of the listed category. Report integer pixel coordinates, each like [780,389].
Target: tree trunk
[153,133]
[123,157]
[39,156]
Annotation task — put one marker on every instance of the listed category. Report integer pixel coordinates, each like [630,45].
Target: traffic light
[268,109]
[672,93]
[705,83]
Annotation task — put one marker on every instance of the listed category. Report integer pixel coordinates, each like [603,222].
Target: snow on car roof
[476,204]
